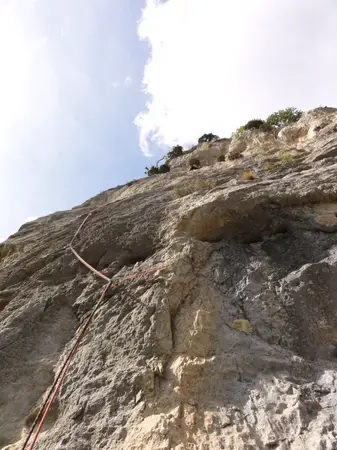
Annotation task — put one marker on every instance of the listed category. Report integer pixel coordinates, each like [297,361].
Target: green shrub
[221,158]
[276,120]
[153,170]
[254,124]
[175,152]
[286,158]
[195,163]
[207,138]
[284,117]
[239,131]
[164,168]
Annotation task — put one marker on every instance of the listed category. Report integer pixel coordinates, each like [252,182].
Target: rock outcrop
[231,345]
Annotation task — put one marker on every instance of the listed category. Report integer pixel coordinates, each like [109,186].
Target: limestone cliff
[232,345]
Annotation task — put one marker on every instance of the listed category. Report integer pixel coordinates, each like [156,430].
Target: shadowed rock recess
[232,345]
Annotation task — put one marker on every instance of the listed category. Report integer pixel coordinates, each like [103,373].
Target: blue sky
[71,134]
[88,88]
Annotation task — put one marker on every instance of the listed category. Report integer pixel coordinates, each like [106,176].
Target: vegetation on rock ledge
[175,152]
[207,138]
[284,117]
[153,170]
[276,120]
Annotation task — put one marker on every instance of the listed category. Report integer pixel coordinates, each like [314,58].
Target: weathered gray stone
[164,364]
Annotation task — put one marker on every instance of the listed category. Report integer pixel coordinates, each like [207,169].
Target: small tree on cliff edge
[175,152]
[254,124]
[284,117]
[207,138]
[164,168]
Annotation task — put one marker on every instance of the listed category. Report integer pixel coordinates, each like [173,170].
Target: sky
[92,91]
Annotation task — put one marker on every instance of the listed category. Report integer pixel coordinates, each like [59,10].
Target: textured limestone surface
[231,345]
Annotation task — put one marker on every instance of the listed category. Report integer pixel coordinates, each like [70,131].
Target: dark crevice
[137,257]
[3,303]
[101,257]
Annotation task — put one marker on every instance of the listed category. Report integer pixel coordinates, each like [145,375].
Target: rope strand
[66,365]
[41,417]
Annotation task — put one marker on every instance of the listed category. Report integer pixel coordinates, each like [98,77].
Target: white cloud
[215,64]
[46,89]
[128,81]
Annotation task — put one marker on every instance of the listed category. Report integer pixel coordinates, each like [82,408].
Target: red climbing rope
[65,368]
[89,266]
[79,228]
[41,417]
[153,269]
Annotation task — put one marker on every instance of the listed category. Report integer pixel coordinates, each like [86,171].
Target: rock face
[232,345]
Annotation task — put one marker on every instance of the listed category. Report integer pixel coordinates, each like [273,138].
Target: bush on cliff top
[284,117]
[207,138]
[278,119]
